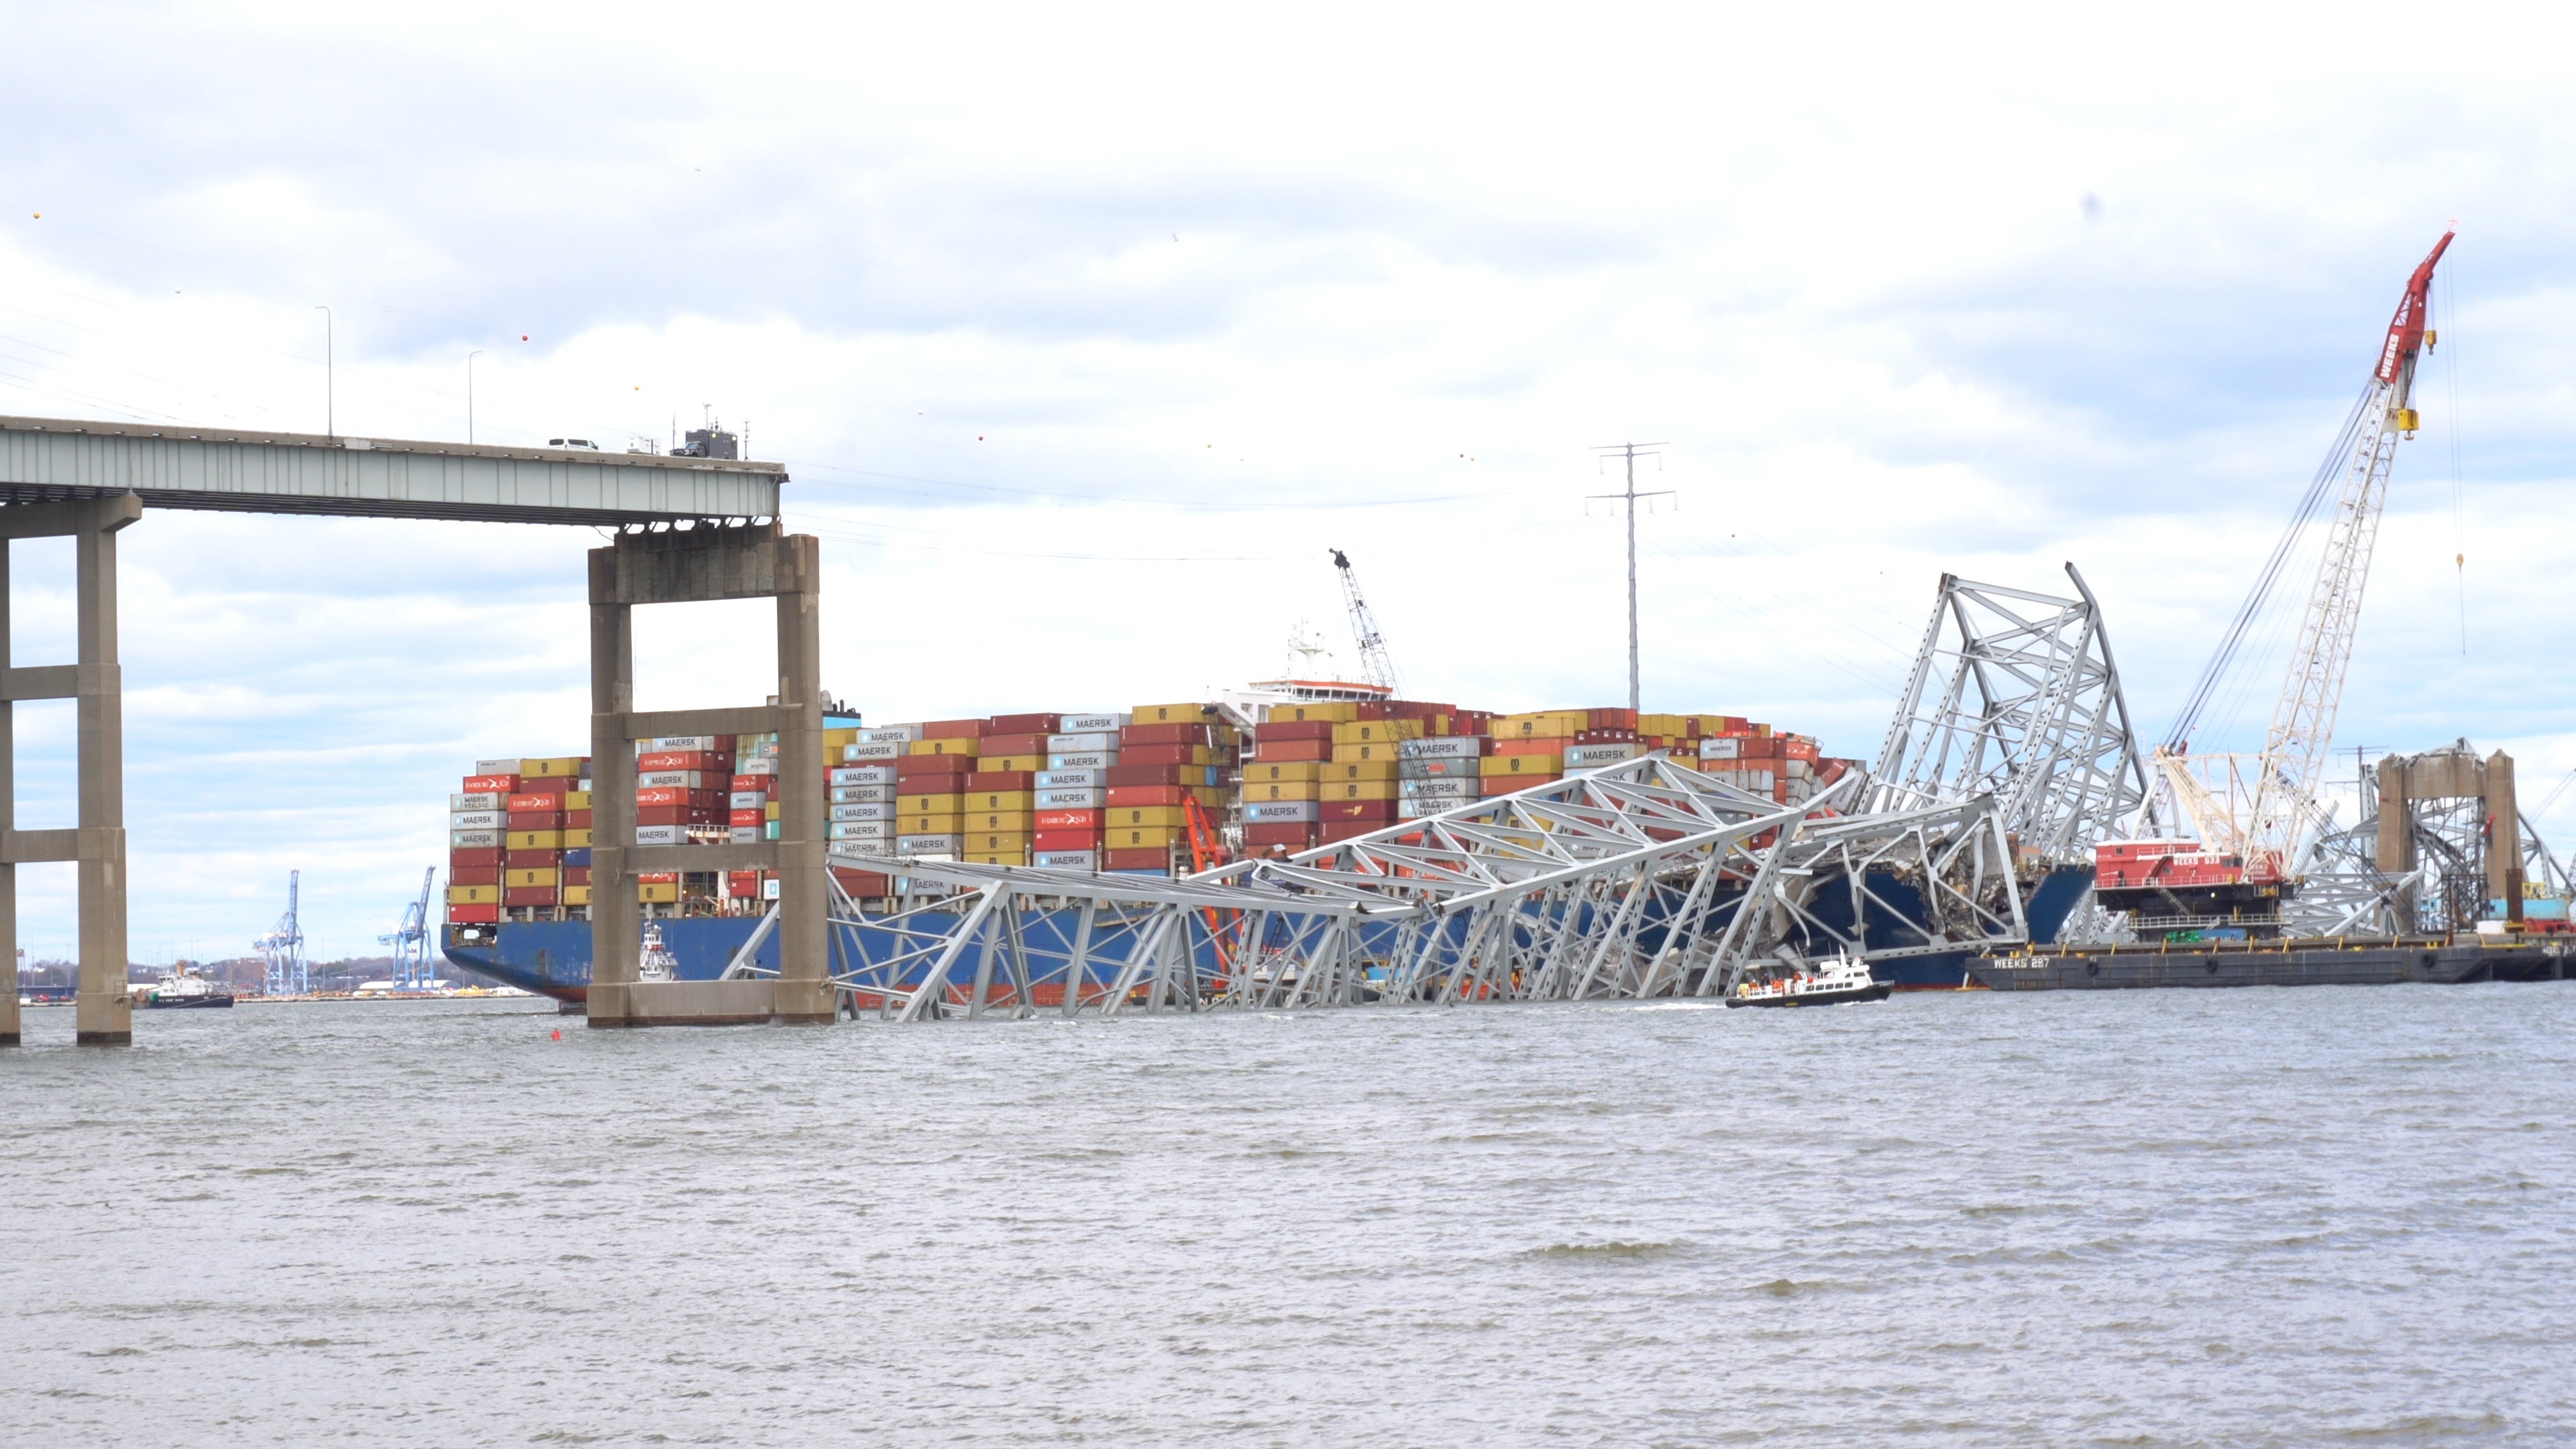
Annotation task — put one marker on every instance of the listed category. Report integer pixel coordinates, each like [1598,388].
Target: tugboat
[186,988]
[654,961]
[1830,984]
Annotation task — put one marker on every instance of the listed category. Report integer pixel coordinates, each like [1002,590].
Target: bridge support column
[700,565]
[103,1008]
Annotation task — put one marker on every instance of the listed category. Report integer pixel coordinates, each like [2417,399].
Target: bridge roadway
[689,529]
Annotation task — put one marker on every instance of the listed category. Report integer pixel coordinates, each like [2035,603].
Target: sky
[1084,334]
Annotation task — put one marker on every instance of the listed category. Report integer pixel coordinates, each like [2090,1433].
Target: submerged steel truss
[2015,695]
[1646,879]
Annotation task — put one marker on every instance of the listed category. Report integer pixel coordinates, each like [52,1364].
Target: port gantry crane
[282,949]
[2259,808]
[1376,665]
[410,940]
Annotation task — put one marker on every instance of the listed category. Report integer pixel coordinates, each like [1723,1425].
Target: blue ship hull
[553,958]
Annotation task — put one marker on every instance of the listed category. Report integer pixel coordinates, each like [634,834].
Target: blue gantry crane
[411,941]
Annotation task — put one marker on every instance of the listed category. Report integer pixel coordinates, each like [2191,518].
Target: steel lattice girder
[1640,880]
[2015,695]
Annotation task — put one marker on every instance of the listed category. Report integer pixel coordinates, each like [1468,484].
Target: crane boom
[2283,802]
[1376,665]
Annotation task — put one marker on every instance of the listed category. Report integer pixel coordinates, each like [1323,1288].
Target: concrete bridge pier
[104,1009]
[697,565]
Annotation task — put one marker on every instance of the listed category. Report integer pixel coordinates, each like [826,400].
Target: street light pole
[469,392]
[330,423]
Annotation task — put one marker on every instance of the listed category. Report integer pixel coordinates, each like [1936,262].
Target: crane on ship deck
[2258,808]
[1377,666]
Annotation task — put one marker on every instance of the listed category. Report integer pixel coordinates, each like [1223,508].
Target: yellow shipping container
[945,747]
[1006,857]
[1376,731]
[769,810]
[1002,800]
[576,799]
[931,825]
[1018,821]
[657,894]
[1382,750]
[979,842]
[531,876]
[834,739]
[474,895]
[535,839]
[1290,770]
[1522,765]
[1360,790]
[1143,837]
[1361,770]
[563,769]
[930,805]
[1170,714]
[1340,713]
[1031,763]
[577,839]
[576,895]
[1663,724]
[1265,790]
[1542,725]
[1132,815]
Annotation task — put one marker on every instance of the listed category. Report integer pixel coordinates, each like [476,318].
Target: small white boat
[1831,983]
[186,988]
[654,961]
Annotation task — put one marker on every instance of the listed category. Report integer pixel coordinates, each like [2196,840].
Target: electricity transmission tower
[1630,454]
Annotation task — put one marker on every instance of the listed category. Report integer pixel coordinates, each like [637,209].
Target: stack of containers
[1071,791]
[683,789]
[1608,737]
[1750,759]
[862,788]
[1439,772]
[1001,792]
[1282,783]
[478,823]
[541,831]
[1165,754]
[930,788]
[1529,749]
[1361,785]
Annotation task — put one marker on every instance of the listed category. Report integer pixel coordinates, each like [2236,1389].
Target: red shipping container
[766,783]
[863,883]
[1148,794]
[1604,737]
[1163,734]
[1380,810]
[531,859]
[576,820]
[576,875]
[679,815]
[907,766]
[1336,831]
[1162,755]
[953,729]
[685,760]
[531,896]
[471,875]
[932,785]
[1088,839]
[1610,719]
[1066,820]
[657,877]
[470,858]
[997,745]
[1125,774]
[746,817]
[1001,780]
[674,795]
[1544,745]
[1154,859]
[1272,752]
[743,885]
[1022,724]
[535,800]
[536,820]
[1293,729]
[1296,834]
[491,785]
[474,915]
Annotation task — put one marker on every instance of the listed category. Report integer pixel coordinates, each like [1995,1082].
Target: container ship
[1281,766]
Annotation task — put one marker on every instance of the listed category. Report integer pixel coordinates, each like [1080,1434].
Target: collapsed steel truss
[1641,880]
[2015,695]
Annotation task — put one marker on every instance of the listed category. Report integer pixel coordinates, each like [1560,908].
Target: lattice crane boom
[2303,720]
[1377,666]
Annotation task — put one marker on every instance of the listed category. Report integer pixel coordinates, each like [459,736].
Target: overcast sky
[1083,334]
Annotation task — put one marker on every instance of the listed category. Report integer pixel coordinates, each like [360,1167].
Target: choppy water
[2251,1217]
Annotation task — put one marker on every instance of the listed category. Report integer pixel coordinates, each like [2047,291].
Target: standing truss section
[2015,696]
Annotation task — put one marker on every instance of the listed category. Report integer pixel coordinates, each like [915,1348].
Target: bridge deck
[51,459]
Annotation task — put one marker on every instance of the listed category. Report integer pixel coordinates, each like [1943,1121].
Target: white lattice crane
[2259,808]
[1376,665]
